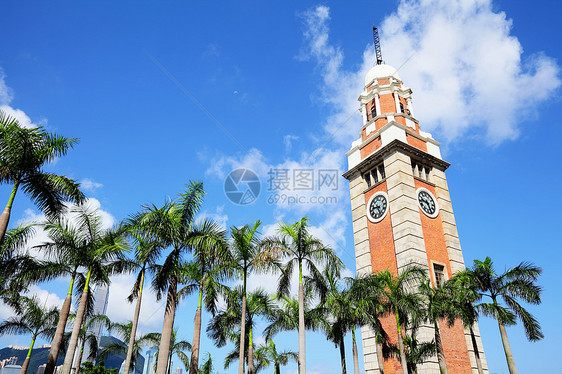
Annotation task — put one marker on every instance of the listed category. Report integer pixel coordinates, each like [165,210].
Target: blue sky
[161,93]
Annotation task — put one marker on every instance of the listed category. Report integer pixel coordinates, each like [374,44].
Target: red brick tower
[402,212]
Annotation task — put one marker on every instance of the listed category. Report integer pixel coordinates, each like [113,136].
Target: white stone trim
[436,213]
[371,218]
[353,158]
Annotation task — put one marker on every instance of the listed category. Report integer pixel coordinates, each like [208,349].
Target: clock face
[377,207]
[427,203]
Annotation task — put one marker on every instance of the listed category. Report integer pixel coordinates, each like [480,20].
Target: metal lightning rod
[377,46]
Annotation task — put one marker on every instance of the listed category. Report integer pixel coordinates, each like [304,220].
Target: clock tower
[402,213]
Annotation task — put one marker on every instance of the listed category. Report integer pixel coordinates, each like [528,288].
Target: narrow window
[367,178]
[373,110]
[402,108]
[439,271]
[375,175]
[381,171]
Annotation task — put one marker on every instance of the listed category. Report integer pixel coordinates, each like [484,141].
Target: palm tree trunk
[134,327]
[476,353]
[169,364]
[507,349]
[440,350]
[355,354]
[277,368]
[342,356]
[59,333]
[167,326]
[403,360]
[28,357]
[67,366]
[194,364]
[242,333]
[79,362]
[5,216]
[250,353]
[302,353]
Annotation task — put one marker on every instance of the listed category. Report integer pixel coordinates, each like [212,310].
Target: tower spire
[377,46]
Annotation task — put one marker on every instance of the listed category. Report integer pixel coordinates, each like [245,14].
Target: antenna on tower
[377,46]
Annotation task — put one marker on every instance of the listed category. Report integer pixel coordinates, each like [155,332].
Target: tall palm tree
[399,300]
[245,247]
[172,225]
[366,306]
[437,308]
[209,266]
[125,332]
[23,153]
[177,348]
[336,306]
[224,326]
[104,256]
[67,250]
[515,283]
[267,355]
[32,318]
[87,337]
[462,298]
[298,248]
[147,252]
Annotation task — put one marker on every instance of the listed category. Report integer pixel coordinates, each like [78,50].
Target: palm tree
[87,336]
[336,307]
[15,264]
[147,253]
[125,332]
[295,245]
[515,283]
[177,348]
[224,326]
[462,298]
[23,152]
[207,366]
[437,307]
[245,247]
[398,299]
[210,264]
[172,225]
[267,354]
[32,319]
[67,249]
[417,352]
[366,307]
[102,258]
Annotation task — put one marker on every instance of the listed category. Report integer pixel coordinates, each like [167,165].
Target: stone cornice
[395,145]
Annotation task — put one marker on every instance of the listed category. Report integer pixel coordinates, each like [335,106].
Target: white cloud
[89,184]
[459,57]
[6,97]
[218,216]
[45,297]
[40,237]
[120,310]
[288,141]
